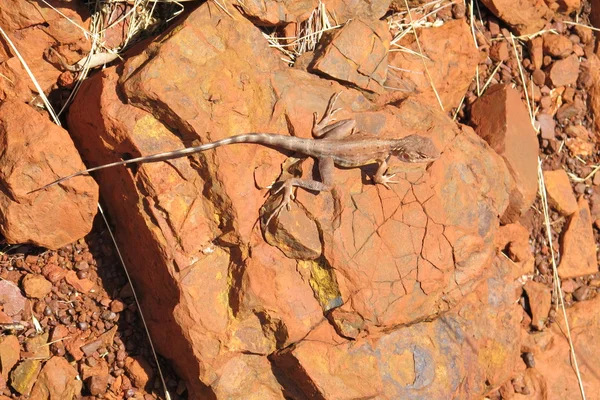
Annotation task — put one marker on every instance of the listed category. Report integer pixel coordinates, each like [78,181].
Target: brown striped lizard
[334,143]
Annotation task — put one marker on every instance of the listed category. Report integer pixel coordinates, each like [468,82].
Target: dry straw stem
[577,179]
[308,34]
[557,285]
[437,96]
[112,237]
[544,198]
[31,76]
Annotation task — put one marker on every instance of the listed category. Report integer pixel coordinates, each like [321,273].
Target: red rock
[547,126]
[36,153]
[57,380]
[514,239]
[36,286]
[360,63]
[557,45]
[528,17]
[247,377]
[402,364]
[569,285]
[564,72]
[117,306]
[271,13]
[499,51]
[568,6]
[97,384]
[540,298]
[560,192]
[53,272]
[11,298]
[539,77]
[552,354]
[33,28]
[536,52]
[451,63]
[81,285]
[502,120]
[9,354]
[99,369]
[578,245]
[424,227]
[139,371]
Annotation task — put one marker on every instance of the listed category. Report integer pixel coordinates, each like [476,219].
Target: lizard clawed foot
[286,198]
[328,115]
[385,180]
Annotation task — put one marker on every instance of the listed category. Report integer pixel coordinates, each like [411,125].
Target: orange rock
[36,153]
[36,286]
[501,119]
[529,17]
[34,28]
[10,350]
[552,355]
[539,297]
[578,245]
[139,371]
[360,63]
[247,377]
[407,363]
[560,192]
[557,45]
[451,64]
[564,72]
[57,380]
[394,257]
[81,285]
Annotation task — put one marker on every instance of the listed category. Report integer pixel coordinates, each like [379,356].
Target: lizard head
[415,149]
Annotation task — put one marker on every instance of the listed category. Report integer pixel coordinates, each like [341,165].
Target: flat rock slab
[385,258]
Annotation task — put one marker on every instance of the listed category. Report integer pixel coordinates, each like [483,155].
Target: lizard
[334,144]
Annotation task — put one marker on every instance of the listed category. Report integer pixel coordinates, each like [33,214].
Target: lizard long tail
[266,139]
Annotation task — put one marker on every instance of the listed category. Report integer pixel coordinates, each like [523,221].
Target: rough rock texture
[272,13]
[539,298]
[552,355]
[564,72]
[33,27]
[501,119]
[363,64]
[560,193]
[578,245]
[455,355]
[35,152]
[525,16]
[451,62]
[219,293]
[56,381]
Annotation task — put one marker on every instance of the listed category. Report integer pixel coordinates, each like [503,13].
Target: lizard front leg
[381,177]
[326,169]
[325,129]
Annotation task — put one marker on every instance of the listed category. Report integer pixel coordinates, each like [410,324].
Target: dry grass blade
[489,80]
[308,34]
[557,285]
[112,237]
[437,96]
[523,84]
[31,76]
[582,25]
[577,179]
